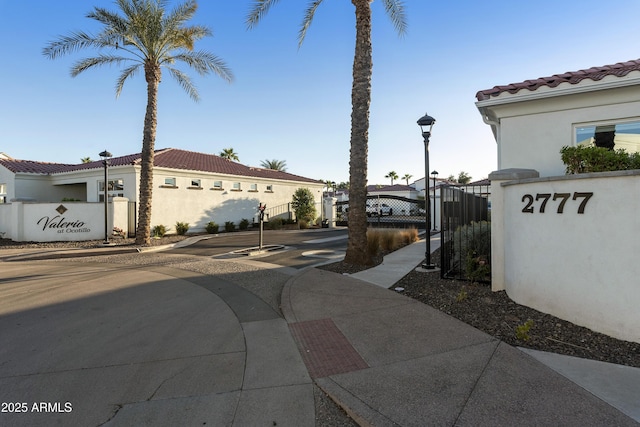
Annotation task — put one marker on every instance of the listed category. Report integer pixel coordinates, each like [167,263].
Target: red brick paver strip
[325,350]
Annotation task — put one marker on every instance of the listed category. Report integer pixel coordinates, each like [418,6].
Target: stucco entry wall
[581,267]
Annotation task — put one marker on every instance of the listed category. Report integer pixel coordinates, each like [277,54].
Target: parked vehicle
[378,209]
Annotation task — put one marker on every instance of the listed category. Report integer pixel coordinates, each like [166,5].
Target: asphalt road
[300,248]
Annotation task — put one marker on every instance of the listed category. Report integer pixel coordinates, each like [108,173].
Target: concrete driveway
[103,344]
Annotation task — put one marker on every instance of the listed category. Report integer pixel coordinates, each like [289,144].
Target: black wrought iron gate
[465,239]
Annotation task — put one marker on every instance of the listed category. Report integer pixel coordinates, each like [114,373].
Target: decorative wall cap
[513,174]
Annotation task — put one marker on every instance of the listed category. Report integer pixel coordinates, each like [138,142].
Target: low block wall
[568,246]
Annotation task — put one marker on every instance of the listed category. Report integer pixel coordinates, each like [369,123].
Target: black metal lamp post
[105,161]
[426,124]
[434,174]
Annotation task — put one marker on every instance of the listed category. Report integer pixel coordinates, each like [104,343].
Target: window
[269,189]
[217,185]
[236,187]
[613,135]
[169,182]
[253,188]
[3,193]
[114,189]
[196,183]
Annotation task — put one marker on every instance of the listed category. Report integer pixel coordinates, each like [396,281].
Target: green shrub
[303,224]
[522,331]
[244,224]
[304,205]
[275,223]
[212,227]
[472,250]
[477,267]
[182,228]
[229,226]
[159,231]
[586,159]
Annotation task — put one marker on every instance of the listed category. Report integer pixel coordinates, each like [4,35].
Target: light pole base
[427,268]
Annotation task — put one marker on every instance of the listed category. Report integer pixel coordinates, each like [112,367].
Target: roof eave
[564,89]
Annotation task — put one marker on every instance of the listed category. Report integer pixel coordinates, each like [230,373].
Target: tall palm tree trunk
[360,101]
[152,76]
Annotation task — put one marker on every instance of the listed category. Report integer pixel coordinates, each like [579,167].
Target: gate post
[498,210]
[330,211]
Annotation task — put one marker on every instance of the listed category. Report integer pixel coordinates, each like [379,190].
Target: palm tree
[86,160]
[149,39]
[229,154]
[360,100]
[393,175]
[407,177]
[276,165]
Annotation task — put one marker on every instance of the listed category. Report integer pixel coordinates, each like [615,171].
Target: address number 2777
[560,198]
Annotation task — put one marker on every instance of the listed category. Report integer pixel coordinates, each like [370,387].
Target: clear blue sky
[295,105]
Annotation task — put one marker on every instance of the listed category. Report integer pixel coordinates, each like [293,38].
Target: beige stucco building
[187,186]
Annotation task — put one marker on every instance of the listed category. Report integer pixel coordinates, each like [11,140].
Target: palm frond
[258,11]
[108,19]
[68,44]
[185,82]
[96,61]
[126,73]
[181,14]
[306,21]
[395,11]
[204,62]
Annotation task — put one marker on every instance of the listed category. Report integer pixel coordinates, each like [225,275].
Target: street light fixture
[426,124]
[434,174]
[105,155]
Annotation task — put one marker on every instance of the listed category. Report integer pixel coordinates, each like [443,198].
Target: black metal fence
[465,245]
[388,211]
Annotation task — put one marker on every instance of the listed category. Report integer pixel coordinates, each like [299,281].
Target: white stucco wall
[8,178]
[5,220]
[199,206]
[90,179]
[532,127]
[578,267]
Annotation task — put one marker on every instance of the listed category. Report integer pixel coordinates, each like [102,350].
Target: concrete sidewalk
[392,361]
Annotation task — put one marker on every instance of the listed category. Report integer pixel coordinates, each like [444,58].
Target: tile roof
[620,69]
[394,187]
[169,158]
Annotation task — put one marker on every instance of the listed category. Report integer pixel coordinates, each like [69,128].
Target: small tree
[304,204]
[407,177]
[464,178]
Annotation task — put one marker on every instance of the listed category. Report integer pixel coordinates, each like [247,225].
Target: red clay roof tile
[169,158]
[620,69]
